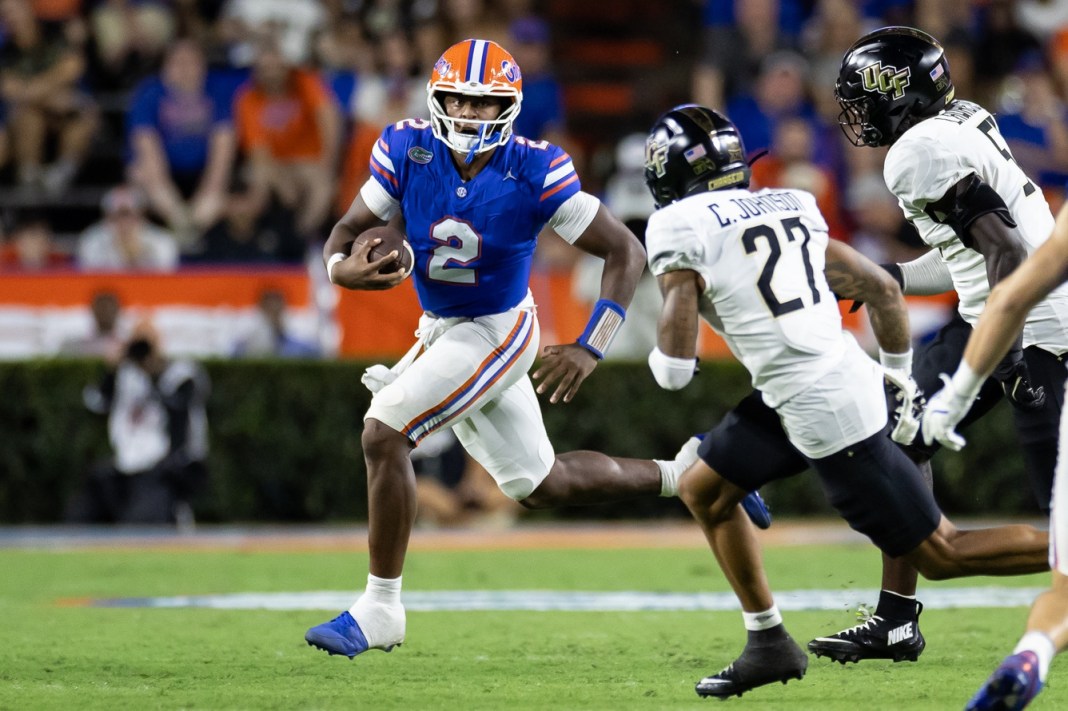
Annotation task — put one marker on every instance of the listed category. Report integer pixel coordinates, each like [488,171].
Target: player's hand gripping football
[944,411]
[567,366]
[357,271]
[909,399]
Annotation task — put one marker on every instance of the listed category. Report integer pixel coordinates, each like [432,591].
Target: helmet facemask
[489,133]
[855,121]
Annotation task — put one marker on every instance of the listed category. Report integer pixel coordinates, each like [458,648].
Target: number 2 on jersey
[773,237]
[458,246]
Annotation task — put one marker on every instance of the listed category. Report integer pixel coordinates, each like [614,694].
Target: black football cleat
[875,638]
[761,663]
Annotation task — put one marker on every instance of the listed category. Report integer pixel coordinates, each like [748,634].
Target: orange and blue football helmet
[474,68]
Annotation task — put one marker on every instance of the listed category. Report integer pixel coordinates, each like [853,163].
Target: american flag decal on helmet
[696,152]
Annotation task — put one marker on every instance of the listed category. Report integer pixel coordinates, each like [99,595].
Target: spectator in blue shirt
[733,53]
[1034,122]
[779,93]
[182,142]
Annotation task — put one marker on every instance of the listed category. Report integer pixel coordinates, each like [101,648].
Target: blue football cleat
[757,510]
[1011,687]
[341,635]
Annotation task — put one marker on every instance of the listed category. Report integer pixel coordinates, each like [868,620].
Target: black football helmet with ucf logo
[889,80]
[692,149]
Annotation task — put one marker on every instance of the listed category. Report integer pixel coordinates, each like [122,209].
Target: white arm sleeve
[926,275]
[378,200]
[573,217]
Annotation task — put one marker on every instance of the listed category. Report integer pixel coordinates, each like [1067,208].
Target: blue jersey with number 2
[473,240]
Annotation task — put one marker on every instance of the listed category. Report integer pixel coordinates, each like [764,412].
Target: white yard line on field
[557,600]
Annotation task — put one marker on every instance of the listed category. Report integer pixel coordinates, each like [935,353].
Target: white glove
[910,400]
[944,411]
[377,377]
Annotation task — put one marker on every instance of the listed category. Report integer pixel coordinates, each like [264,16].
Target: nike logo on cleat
[899,634]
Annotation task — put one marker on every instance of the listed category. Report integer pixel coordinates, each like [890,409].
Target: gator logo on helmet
[510,71]
[885,80]
[442,67]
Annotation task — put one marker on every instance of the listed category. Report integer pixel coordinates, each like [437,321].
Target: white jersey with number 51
[761,256]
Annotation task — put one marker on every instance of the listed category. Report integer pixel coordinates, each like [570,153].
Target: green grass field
[57,654]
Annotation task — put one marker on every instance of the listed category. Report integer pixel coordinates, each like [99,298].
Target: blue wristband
[602,327]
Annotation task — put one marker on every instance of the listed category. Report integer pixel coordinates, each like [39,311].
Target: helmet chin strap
[482,138]
[474,148]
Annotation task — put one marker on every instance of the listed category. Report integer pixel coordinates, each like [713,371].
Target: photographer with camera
[157,426]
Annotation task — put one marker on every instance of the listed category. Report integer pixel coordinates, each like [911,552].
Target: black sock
[893,606]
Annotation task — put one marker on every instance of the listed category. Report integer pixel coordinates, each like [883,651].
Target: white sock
[1042,646]
[671,471]
[669,476]
[756,621]
[383,590]
[380,613]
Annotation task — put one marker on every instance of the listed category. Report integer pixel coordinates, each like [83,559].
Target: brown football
[392,239]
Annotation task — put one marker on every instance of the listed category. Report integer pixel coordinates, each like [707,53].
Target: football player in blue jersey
[473,197]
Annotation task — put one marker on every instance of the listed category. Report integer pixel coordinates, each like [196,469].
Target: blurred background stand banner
[198,312]
[207,312]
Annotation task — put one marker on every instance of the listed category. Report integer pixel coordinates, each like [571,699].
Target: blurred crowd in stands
[153,134]
[772,65]
[217,131]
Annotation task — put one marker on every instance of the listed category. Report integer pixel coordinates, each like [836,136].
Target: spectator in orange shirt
[790,165]
[56,10]
[289,127]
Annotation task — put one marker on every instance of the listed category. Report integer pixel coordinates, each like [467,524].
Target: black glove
[1015,379]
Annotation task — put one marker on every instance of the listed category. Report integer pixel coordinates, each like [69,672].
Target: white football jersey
[934,155]
[761,256]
